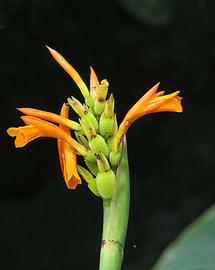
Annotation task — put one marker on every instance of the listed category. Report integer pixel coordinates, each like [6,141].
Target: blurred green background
[133,44]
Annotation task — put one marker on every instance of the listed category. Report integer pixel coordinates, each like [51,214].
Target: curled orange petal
[67,157]
[70,70]
[24,134]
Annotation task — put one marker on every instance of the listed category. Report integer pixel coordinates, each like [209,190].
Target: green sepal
[81,139]
[102,162]
[92,166]
[98,145]
[87,176]
[90,117]
[106,183]
[93,187]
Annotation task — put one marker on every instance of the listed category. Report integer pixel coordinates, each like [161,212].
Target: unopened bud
[98,145]
[109,107]
[102,89]
[93,187]
[90,156]
[77,106]
[106,126]
[106,184]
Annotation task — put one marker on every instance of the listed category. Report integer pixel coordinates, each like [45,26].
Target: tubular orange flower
[70,70]
[151,102]
[51,117]
[67,157]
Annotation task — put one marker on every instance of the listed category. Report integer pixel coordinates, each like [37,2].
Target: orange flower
[67,156]
[67,146]
[151,102]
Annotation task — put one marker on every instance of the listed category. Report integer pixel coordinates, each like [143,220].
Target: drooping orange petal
[70,70]
[94,82]
[51,130]
[50,117]
[24,134]
[67,156]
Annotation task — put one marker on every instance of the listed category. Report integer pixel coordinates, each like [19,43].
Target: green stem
[115,219]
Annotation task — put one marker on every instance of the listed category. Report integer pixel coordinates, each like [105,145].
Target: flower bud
[106,183]
[93,187]
[88,128]
[90,156]
[89,101]
[81,139]
[98,145]
[106,126]
[76,106]
[102,89]
[109,108]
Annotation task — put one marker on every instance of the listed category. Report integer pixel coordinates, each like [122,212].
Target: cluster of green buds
[98,132]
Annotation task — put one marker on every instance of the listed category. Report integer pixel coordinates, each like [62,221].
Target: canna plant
[97,139]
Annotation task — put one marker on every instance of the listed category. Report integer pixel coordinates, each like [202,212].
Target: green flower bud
[115,158]
[92,166]
[106,183]
[106,126]
[90,117]
[109,108]
[99,106]
[98,145]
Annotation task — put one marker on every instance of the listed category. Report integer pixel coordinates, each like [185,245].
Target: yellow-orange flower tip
[52,117]
[93,82]
[24,134]
[67,157]
[70,70]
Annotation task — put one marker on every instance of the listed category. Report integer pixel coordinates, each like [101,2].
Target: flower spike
[70,70]
[67,157]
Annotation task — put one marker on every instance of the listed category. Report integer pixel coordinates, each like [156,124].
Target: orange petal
[138,108]
[70,70]
[50,117]
[24,134]
[68,157]
[94,82]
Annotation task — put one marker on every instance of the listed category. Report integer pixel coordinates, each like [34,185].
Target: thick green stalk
[115,220]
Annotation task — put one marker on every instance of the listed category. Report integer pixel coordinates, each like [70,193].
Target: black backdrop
[133,44]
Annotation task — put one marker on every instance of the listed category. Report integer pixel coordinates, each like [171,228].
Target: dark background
[133,44]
